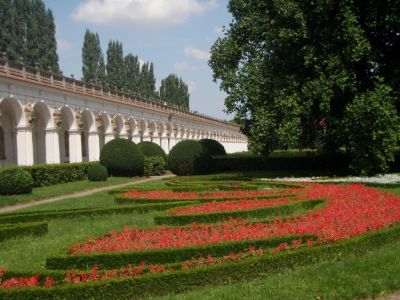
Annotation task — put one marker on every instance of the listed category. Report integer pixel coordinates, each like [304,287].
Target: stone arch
[41,121]
[119,127]
[68,123]
[12,116]
[152,129]
[143,130]
[89,140]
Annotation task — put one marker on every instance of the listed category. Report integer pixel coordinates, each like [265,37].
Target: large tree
[7,37]
[290,67]
[132,66]
[174,90]
[147,81]
[115,65]
[93,67]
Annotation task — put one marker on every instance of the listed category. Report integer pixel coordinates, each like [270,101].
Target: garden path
[78,194]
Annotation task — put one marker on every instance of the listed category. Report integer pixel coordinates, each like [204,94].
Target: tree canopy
[291,68]
[174,90]
[93,66]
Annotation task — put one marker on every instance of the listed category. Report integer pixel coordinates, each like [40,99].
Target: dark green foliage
[93,67]
[7,33]
[132,66]
[115,66]
[152,149]
[264,212]
[15,181]
[97,172]
[45,175]
[175,91]
[10,231]
[372,130]
[162,256]
[213,147]
[11,218]
[291,68]
[147,81]
[122,157]
[154,166]
[183,280]
[189,158]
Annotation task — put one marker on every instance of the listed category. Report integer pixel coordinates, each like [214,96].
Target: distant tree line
[27,33]
[127,74]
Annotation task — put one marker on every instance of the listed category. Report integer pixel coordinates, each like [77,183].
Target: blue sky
[174,34]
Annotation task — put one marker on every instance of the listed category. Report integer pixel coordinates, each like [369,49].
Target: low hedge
[85,212]
[263,212]
[46,175]
[10,231]
[123,200]
[164,255]
[183,280]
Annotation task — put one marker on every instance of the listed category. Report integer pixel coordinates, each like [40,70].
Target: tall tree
[49,43]
[147,80]
[290,68]
[174,90]
[115,65]
[7,37]
[22,14]
[132,67]
[93,68]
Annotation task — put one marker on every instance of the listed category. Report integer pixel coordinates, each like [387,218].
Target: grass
[61,189]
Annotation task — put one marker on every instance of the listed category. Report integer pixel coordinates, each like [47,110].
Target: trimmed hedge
[97,172]
[189,158]
[154,166]
[85,212]
[164,255]
[150,149]
[122,200]
[183,280]
[213,147]
[15,181]
[10,231]
[263,212]
[122,157]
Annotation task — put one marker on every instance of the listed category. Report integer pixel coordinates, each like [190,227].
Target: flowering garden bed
[337,220]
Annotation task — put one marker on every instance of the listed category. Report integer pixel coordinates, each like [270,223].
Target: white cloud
[218,30]
[197,53]
[141,13]
[192,87]
[184,66]
[63,45]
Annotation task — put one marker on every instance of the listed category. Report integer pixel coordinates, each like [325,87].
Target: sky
[176,35]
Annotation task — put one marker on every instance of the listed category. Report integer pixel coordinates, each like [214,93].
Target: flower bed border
[9,231]
[269,211]
[252,268]
[164,255]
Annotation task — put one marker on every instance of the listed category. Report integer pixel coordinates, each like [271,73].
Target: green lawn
[377,272]
[61,189]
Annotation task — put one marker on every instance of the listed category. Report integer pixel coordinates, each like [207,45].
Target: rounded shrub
[189,158]
[15,181]
[97,172]
[213,147]
[150,149]
[122,157]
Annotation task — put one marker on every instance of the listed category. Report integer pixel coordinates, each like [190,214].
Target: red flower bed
[351,210]
[233,205]
[162,194]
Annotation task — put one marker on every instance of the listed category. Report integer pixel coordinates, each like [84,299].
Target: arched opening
[67,117]
[40,119]
[66,146]
[10,116]
[2,145]
[84,145]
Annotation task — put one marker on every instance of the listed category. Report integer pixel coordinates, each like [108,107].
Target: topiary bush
[122,157]
[152,149]
[189,158]
[97,172]
[15,181]
[154,165]
[213,147]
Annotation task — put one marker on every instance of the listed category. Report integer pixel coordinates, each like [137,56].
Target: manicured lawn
[61,189]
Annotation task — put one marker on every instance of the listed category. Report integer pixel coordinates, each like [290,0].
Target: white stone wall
[46,125]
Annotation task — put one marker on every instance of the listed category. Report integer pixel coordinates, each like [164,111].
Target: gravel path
[77,194]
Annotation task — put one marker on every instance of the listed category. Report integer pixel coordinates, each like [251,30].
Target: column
[172,142]
[147,138]
[164,143]
[52,138]
[24,146]
[94,146]
[108,137]
[75,146]
[136,139]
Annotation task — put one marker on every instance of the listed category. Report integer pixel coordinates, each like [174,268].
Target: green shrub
[189,158]
[10,231]
[122,157]
[15,181]
[97,172]
[213,147]
[154,165]
[152,149]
